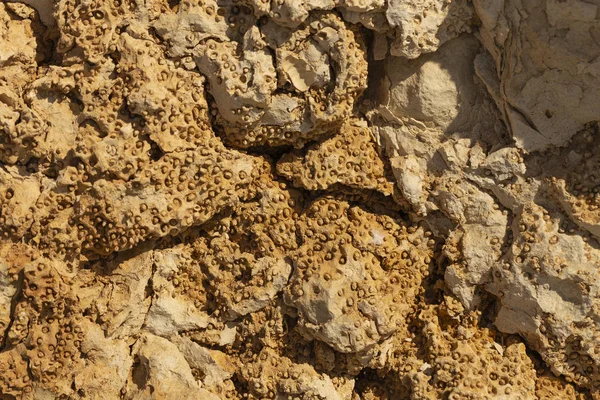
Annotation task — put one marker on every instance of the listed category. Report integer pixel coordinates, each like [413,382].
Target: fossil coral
[334,200]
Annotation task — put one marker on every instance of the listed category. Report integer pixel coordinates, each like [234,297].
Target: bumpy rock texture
[335,200]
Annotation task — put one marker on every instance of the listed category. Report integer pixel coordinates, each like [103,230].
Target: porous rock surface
[353,199]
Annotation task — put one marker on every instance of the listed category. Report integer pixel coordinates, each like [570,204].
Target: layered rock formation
[350,200]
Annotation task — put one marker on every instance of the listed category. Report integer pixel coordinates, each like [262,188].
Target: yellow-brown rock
[332,199]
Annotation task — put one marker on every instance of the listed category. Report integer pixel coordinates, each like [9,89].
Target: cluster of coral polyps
[318,200]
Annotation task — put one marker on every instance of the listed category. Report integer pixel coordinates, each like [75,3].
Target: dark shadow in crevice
[17,296]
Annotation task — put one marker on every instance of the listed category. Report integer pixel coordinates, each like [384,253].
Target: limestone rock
[546,75]
[214,366]
[546,284]
[156,376]
[327,199]
[348,159]
[502,372]
[282,377]
[423,26]
[339,284]
[247,85]
[475,246]
[170,313]
[437,88]
[123,302]
[18,45]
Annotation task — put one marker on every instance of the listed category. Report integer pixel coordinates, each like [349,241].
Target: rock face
[357,285]
[545,57]
[335,200]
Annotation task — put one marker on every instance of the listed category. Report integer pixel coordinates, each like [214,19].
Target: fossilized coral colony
[253,199]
